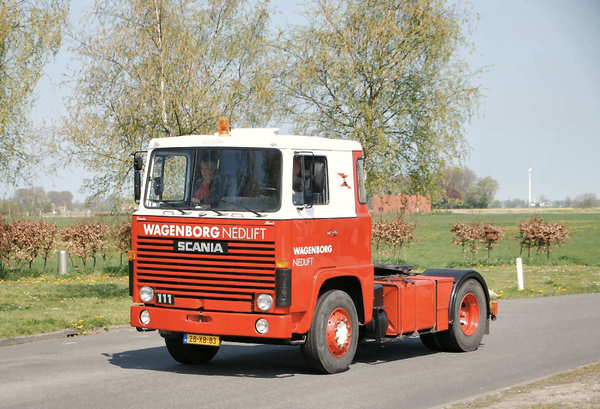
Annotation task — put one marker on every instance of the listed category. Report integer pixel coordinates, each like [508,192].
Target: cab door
[314,231]
[315,244]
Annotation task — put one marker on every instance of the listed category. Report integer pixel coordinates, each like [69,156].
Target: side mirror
[137,185]
[138,168]
[138,163]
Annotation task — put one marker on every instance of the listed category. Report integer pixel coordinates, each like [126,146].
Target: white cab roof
[256,138]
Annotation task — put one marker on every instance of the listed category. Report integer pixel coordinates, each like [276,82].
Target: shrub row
[534,233]
[539,234]
[25,241]
[396,233]
[469,235]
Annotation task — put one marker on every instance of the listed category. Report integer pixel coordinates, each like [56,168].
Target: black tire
[335,316]
[469,319]
[189,354]
[431,341]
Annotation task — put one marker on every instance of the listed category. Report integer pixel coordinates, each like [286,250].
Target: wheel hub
[469,314]
[339,332]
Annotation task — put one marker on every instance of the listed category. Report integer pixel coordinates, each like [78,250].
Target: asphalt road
[531,339]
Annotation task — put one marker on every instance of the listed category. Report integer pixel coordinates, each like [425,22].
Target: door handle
[332,233]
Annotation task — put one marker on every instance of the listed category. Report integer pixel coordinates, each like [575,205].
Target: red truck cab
[251,236]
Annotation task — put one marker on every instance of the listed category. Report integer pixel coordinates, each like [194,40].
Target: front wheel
[189,354]
[469,318]
[332,340]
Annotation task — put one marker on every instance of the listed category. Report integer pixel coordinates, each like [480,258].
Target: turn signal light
[131,255]
[282,263]
[494,309]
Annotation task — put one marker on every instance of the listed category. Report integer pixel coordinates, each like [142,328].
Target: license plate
[162,298]
[195,339]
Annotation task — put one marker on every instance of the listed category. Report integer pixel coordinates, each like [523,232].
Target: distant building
[403,204]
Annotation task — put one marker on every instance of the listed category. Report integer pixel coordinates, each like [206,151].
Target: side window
[360,171]
[298,180]
[167,181]
[310,183]
[320,195]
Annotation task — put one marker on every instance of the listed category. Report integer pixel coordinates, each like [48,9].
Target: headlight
[262,326]
[146,294]
[145,317]
[264,302]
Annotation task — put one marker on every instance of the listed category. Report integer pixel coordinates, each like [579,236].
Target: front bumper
[212,323]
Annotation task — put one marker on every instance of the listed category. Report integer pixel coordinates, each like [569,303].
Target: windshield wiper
[243,207]
[206,207]
[172,206]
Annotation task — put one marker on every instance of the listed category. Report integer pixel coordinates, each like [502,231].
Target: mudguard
[460,276]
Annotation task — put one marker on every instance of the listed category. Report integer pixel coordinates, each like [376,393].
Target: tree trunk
[163,102]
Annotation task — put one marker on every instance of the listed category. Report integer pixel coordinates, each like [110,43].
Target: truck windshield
[216,179]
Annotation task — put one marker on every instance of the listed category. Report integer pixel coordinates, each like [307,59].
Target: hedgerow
[25,241]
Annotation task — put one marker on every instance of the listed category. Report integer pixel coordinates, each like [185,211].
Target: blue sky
[541,105]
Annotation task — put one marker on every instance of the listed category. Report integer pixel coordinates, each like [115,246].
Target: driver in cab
[205,188]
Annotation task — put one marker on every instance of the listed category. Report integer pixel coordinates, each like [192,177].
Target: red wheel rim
[469,314]
[339,332]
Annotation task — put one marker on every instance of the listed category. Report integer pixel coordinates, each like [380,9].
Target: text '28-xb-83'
[251,236]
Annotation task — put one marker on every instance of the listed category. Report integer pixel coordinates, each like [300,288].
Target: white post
[520,273]
[63,262]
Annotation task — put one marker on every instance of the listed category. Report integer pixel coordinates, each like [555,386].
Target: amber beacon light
[224,127]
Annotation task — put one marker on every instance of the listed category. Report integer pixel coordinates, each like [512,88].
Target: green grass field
[434,247]
[37,301]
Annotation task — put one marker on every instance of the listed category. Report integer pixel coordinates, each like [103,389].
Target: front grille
[248,267]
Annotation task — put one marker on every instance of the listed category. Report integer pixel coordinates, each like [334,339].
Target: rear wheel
[469,318]
[189,354]
[331,342]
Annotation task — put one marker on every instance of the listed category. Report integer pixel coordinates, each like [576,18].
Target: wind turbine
[530,170]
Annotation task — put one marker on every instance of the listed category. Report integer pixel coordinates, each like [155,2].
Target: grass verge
[541,281]
[578,388]
[81,301]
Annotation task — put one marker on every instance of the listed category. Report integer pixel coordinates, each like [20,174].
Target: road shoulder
[576,388]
